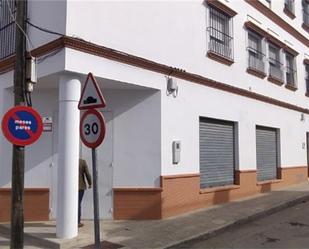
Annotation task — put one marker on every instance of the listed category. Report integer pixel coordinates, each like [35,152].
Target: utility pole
[18,164]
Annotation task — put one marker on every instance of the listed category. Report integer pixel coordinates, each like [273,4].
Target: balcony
[256,63]
[220,44]
[306,20]
[307,86]
[7,41]
[7,29]
[275,71]
[289,8]
[291,82]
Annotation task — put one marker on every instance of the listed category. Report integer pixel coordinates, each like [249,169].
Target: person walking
[83,173]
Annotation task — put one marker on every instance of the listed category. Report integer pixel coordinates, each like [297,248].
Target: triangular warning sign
[91,96]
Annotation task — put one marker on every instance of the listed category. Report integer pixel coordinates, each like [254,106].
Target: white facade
[142,121]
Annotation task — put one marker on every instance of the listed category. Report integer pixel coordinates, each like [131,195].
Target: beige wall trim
[129,189]
[246,171]
[166,177]
[293,167]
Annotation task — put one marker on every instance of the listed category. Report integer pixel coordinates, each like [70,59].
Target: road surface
[288,229]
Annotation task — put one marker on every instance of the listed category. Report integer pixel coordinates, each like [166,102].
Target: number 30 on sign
[92,128]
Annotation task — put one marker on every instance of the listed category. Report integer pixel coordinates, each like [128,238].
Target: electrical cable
[26,98]
[43,58]
[44,29]
[26,95]
[29,100]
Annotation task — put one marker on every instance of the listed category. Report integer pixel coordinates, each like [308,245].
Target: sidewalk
[168,232]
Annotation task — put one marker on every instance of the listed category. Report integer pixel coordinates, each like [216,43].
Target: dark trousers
[80,198]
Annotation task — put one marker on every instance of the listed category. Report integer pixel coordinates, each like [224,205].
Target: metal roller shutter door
[216,153]
[266,153]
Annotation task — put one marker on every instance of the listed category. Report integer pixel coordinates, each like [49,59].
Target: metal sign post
[96,200]
[92,132]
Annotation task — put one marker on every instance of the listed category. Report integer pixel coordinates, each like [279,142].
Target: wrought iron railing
[220,43]
[7,41]
[7,28]
[275,69]
[289,5]
[256,60]
[290,76]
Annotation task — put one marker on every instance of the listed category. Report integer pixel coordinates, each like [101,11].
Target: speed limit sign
[92,128]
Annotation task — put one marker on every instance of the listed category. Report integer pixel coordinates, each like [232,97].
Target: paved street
[286,229]
[168,233]
[5,243]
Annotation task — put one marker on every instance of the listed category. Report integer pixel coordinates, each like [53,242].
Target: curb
[211,233]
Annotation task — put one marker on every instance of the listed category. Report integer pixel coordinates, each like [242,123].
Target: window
[290,69]
[289,8]
[217,152]
[7,28]
[255,52]
[305,13]
[307,78]
[220,34]
[268,3]
[275,66]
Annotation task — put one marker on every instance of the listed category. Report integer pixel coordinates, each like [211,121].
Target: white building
[240,112]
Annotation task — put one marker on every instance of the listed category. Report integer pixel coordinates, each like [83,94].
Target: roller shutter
[266,153]
[216,153]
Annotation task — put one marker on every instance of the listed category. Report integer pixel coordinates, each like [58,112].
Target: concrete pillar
[68,155]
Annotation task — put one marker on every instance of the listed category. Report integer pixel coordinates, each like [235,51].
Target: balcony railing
[7,41]
[275,69]
[256,60]
[220,43]
[7,29]
[289,5]
[290,76]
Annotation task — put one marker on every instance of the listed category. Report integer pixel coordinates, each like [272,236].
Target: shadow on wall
[5,147]
[137,205]
[135,113]
[38,156]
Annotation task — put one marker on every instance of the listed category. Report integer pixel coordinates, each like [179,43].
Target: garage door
[266,153]
[217,153]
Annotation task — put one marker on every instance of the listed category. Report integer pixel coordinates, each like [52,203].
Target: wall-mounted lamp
[172,87]
[302,117]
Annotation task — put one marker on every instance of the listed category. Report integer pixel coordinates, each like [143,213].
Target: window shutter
[217,153]
[266,153]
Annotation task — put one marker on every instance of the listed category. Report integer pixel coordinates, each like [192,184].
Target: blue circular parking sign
[22,125]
